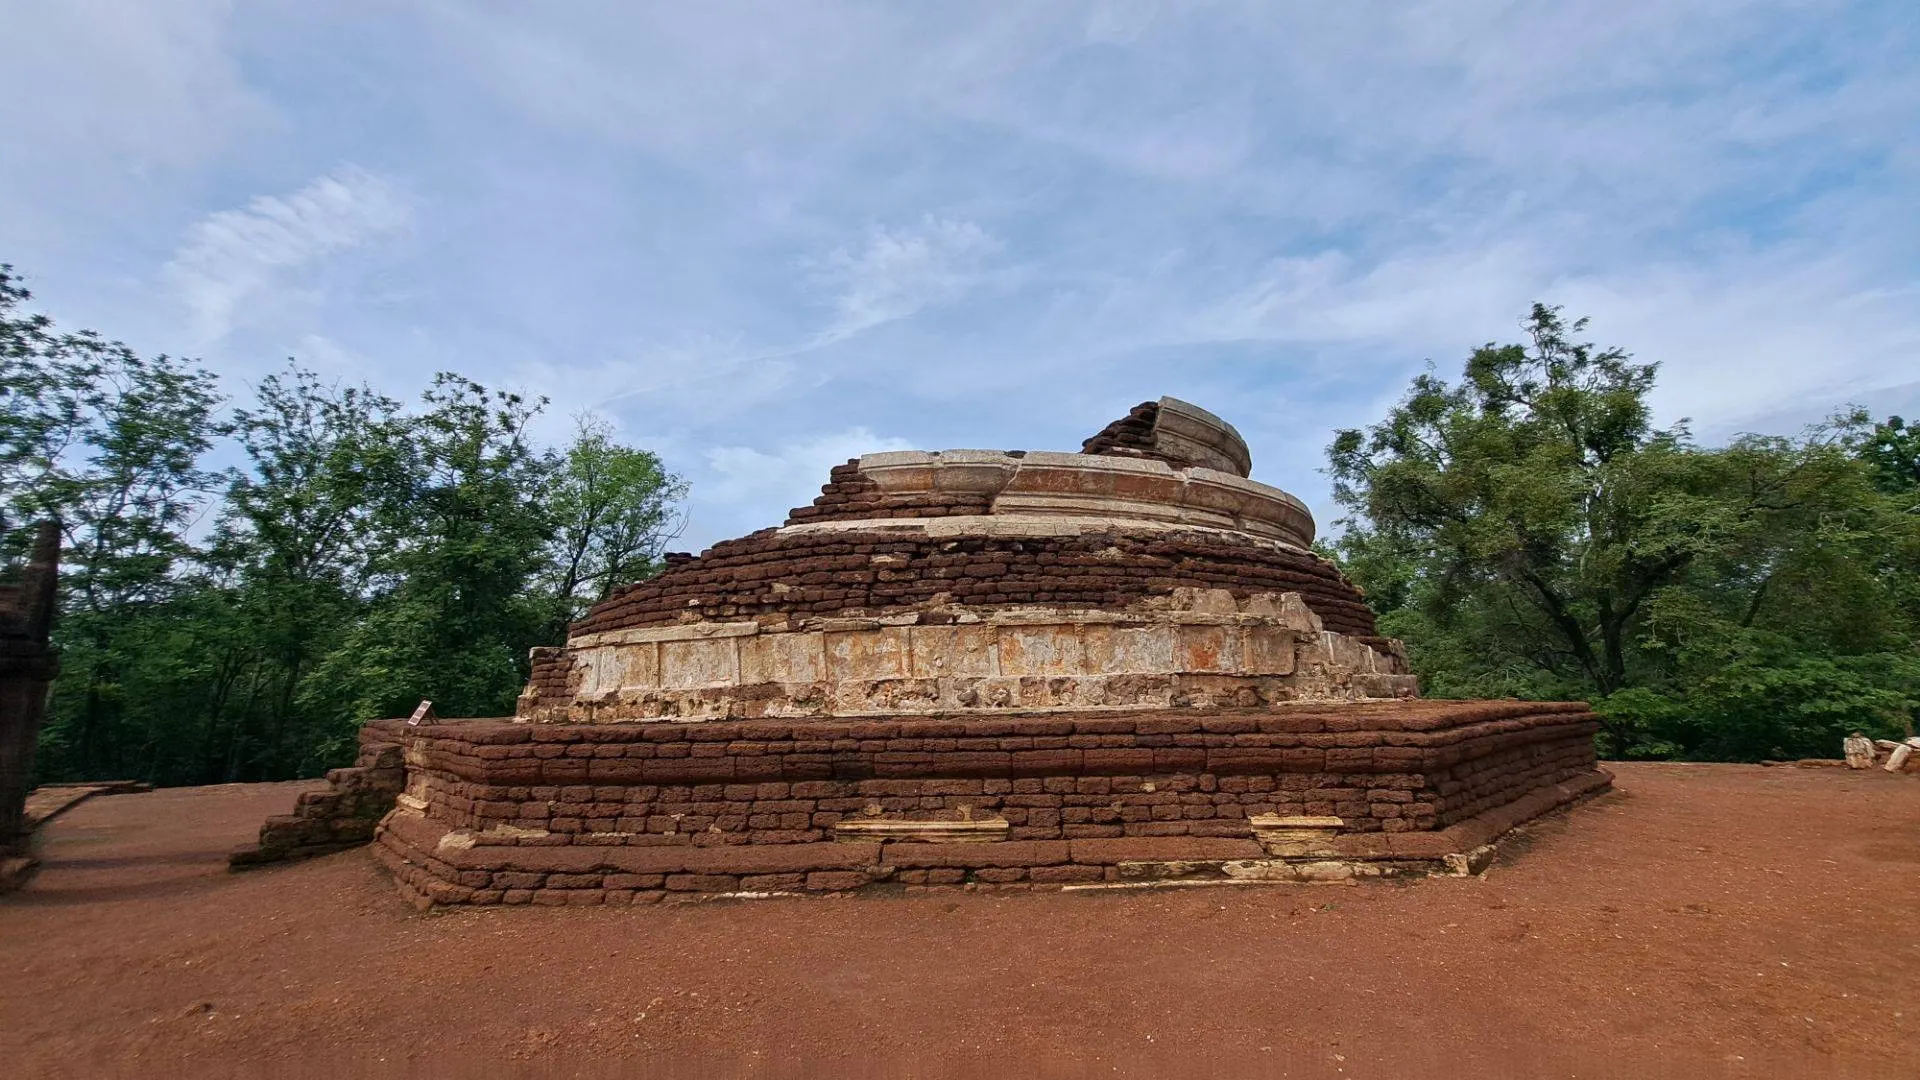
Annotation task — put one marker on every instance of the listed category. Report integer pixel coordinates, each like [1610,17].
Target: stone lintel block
[1062,459]
[1295,614]
[1350,653]
[1052,516]
[1039,650]
[1315,822]
[1118,650]
[700,631]
[904,478]
[1045,615]
[1267,650]
[1387,686]
[867,654]
[1209,489]
[931,832]
[996,525]
[900,470]
[610,669]
[1060,691]
[907,695]
[860,622]
[1252,490]
[952,651]
[987,693]
[783,658]
[630,859]
[854,697]
[1139,691]
[1203,649]
[686,664]
[972,478]
[1148,487]
[1294,836]
[1029,505]
[1069,478]
[981,472]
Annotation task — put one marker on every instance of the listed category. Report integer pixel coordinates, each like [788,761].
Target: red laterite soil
[1702,921]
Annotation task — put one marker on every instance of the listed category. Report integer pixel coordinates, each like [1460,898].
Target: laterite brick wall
[832,573]
[1170,773]
[517,813]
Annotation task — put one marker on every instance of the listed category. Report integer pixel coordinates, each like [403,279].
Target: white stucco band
[1200,648]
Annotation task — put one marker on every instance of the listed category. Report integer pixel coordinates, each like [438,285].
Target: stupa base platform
[504,812]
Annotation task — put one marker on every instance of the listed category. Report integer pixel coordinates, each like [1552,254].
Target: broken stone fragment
[1858,750]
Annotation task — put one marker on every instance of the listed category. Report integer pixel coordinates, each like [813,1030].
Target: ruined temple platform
[503,812]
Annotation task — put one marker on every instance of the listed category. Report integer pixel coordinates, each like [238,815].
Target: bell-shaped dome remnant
[1179,433]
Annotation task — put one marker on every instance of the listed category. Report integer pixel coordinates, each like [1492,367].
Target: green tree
[613,511]
[1528,531]
[296,535]
[1527,485]
[40,407]
[239,625]
[109,442]
[1797,624]
[1892,450]
[463,528]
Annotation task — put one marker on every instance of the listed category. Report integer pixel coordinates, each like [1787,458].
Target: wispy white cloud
[741,225]
[1738,337]
[233,255]
[145,86]
[897,272]
[751,480]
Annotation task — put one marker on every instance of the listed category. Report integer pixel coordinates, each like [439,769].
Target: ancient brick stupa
[1009,669]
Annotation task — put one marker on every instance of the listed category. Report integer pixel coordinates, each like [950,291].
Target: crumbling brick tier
[1131,434]
[770,572]
[343,816]
[510,813]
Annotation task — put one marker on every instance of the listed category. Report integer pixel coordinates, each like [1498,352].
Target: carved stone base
[1196,647]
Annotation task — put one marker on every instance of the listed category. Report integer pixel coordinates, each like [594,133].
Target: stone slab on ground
[49,801]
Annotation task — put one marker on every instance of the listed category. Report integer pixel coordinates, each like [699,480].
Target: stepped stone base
[343,816]
[502,812]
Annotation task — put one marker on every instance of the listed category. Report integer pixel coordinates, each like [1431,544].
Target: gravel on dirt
[1701,921]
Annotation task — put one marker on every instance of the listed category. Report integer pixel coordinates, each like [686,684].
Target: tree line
[1529,532]
[360,554]
[1526,529]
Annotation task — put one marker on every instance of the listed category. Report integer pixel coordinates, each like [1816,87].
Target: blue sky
[763,238]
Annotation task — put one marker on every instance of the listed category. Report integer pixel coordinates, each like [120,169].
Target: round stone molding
[1044,484]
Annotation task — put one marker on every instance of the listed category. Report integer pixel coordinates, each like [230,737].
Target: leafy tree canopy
[240,624]
[1530,532]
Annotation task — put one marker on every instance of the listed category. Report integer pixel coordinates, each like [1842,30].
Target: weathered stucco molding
[1040,484]
[1201,647]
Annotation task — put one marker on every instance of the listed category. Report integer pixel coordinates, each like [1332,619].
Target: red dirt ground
[1702,921]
